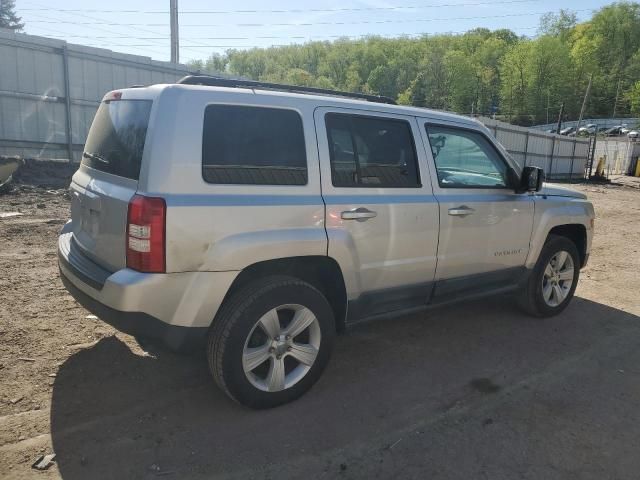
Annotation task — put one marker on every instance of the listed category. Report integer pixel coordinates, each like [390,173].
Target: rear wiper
[95,156]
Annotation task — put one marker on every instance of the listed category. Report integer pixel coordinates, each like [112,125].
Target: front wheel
[271,341]
[553,280]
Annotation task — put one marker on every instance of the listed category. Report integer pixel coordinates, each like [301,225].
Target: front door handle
[360,214]
[461,211]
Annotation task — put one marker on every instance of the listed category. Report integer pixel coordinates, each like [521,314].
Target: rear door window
[253,146]
[371,152]
[116,139]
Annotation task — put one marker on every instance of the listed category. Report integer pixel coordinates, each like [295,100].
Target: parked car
[589,129]
[634,134]
[613,131]
[568,131]
[262,219]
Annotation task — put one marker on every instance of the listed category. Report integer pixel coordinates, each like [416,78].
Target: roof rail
[212,81]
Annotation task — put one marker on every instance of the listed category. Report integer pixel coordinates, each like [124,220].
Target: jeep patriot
[261,219]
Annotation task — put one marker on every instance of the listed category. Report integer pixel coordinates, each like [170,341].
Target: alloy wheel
[558,278]
[281,347]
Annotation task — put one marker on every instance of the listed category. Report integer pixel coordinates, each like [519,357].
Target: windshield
[116,139]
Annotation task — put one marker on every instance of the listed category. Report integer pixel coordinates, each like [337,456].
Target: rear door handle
[360,214]
[461,211]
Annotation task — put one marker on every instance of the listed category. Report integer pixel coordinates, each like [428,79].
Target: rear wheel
[271,341]
[552,283]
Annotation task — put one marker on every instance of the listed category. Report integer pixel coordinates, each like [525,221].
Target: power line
[295,10]
[98,28]
[292,44]
[260,37]
[305,24]
[110,44]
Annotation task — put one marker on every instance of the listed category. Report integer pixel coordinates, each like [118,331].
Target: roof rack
[212,81]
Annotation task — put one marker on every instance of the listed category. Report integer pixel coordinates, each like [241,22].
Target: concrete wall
[40,104]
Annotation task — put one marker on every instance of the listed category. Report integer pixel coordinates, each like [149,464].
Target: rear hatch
[108,178]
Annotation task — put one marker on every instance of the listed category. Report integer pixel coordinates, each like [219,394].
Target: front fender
[552,212]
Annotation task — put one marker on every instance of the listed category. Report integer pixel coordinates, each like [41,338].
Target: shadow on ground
[120,415]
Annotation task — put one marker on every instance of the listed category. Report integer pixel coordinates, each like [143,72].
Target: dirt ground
[476,390]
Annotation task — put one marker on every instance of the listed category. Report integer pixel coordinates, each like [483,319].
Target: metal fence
[561,157]
[50,90]
[617,155]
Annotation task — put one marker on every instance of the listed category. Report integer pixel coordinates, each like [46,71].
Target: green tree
[8,17]
[633,96]
[461,81]
[515,80]
[195,65]
[550,65]
[416,94]
[217,63]
[478,71]
[606,47]
[558,24]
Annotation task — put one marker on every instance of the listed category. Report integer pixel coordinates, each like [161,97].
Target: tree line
[519,79]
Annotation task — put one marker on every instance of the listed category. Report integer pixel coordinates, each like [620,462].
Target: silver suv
[262,219]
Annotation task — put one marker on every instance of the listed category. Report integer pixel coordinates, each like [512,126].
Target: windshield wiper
[95,156]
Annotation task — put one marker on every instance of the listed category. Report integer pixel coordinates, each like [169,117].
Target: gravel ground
[476,390]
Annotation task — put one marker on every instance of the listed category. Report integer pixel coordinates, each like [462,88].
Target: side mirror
[531,180]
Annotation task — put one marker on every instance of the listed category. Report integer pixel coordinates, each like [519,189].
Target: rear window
[253,146]
[116,139]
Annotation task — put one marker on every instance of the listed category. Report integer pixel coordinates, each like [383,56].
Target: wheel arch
[572,219]
[575,232]
[322,272]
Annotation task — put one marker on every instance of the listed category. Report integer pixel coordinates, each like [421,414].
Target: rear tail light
[146,234]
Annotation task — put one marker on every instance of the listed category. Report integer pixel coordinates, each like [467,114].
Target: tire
[533,298]
[239,328]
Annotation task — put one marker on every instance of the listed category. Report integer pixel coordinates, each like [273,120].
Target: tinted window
[253,145]
[371,152]
[116,139]
[466,159]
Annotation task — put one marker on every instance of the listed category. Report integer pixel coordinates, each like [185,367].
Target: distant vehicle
[613,131]
[589,129]
[624,130]
[568,131]
[634,135]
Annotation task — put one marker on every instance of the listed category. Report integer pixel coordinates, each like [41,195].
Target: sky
[142,27]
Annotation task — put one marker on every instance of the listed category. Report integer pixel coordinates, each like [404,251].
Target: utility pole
[175,44]
[548,95]
[615,104]
[584,103]
[560,118]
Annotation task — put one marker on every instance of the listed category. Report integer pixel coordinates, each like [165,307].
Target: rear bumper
[176,308]
[139,323]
